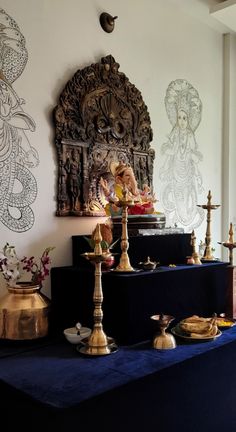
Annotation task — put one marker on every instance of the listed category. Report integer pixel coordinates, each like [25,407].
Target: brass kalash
[24,312]
[98,343]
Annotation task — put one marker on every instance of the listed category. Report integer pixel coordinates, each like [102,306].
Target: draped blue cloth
[130,299]
[57,375]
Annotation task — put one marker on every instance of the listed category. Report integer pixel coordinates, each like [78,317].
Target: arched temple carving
[101,117]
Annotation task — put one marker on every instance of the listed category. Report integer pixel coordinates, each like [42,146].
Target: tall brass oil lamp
[195,255]
[125,202]
[209,207]
[230,244]
[98,343]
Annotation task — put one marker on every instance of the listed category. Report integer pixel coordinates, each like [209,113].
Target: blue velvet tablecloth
[130,299]
[57,375]
[52,387]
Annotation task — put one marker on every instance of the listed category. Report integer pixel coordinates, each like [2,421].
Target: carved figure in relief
[72,167]
[101,110]
[142,172]
[62,186]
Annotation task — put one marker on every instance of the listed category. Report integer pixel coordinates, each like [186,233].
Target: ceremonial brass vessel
[163,340]
[24,312]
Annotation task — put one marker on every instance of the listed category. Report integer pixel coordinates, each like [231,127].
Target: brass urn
[24,312]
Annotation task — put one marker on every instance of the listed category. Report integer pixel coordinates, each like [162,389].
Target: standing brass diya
[163,340]
[195,255]
[230,244]
[125,202]
[209,207]
[98,343]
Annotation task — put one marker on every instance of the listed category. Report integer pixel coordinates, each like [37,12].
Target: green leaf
[90,241]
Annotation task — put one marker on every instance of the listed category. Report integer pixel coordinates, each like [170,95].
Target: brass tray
[178,332]
[125,272]
[83,350]
[81,347]
[110,341]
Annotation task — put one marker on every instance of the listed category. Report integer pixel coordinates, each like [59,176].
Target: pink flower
[40,269]
[10,265]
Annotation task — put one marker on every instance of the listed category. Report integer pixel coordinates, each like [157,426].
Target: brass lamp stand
[230,244]
[125,202]
[97,343]
[195,255]
[209,207]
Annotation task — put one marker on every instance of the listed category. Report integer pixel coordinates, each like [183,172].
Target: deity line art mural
[18,187]
[180,175]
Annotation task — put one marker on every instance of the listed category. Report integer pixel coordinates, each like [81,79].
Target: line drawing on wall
[18,186]
[181,179]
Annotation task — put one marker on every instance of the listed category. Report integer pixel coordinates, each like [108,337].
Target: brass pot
[24,312]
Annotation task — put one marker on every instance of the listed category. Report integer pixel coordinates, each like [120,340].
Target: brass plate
[110,341]
[205,261]
[177,332]
[135,270]
[82,347]
[83,350]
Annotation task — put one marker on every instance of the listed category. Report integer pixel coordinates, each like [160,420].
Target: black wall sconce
[107,22]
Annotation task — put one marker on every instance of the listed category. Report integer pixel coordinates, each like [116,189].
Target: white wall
[229,134]
[155,43]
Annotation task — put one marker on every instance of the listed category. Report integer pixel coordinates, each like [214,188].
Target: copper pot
[24,312]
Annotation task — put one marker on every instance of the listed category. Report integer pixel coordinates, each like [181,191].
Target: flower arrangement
[12,267]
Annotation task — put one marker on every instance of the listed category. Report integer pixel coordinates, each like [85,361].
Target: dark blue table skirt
[130,299]
[191,388]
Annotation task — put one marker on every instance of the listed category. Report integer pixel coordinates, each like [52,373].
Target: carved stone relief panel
[100,118]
